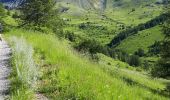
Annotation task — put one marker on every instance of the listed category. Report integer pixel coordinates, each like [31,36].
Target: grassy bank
[67,75]
[24,71]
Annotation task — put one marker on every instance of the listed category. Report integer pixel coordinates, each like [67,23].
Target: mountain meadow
[86,49]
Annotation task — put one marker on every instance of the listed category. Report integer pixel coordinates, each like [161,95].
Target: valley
[87,49]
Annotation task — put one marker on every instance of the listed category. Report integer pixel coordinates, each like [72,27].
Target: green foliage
[41,13]
[36,12]
[134,60]
[163,68]
[66,75]
[131,31]
[2,11]
[140,52]
[2,15]
[155,48]
[92,46]
[15,15]
[24,71]
[123,56]
[70,36]
[144,39]
[8,13]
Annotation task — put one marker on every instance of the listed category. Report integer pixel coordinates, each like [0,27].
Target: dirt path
[5,52]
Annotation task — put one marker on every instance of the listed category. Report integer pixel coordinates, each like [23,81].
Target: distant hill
[103,4]
[94,4]
[87,4]
[11,3]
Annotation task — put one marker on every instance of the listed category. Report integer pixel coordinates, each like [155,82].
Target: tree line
[162,69]
[131,31]
[93,47]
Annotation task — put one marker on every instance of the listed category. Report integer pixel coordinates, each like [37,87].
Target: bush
[2,11]
[134,60]
[70,36]
[140,52]
[155,48]
[92,47]
[16,15]
[161,69]
[4,27]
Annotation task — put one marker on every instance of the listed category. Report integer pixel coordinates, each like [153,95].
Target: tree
[41,13]
[2,11]
[140,52]
[36,12]
[163,68]
[134,60]
[92,46]
[2,15]
[155,48]
[70,36]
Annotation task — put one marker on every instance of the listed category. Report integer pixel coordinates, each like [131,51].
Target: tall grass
[24,71]
[66,75]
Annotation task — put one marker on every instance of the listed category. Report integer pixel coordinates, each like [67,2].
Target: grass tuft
[24,71]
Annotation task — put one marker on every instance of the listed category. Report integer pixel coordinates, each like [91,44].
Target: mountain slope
[96,4]
[111,4]
[143,40]
[86,4]
[67,75]
[11,3]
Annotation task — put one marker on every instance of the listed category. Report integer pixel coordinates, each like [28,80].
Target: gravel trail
[5,53]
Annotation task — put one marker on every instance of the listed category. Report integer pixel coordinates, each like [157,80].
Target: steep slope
[67,75]
[134,30]
[96,4]
[143,40]
[111,4]
[86,4]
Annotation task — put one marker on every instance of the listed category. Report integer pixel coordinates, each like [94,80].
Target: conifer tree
[165,51]
[37,12]
[163,68]
[41,13]
[2,11]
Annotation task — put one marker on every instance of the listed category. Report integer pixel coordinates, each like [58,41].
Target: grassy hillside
[103,26]
[46,65]
[67,75]
[143,40]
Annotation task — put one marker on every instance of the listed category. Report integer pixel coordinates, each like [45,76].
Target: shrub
[92,46]
[70,36]
[140,52]
[163,67]
[155,48]
[16,15]
[134,60]
[2,11]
